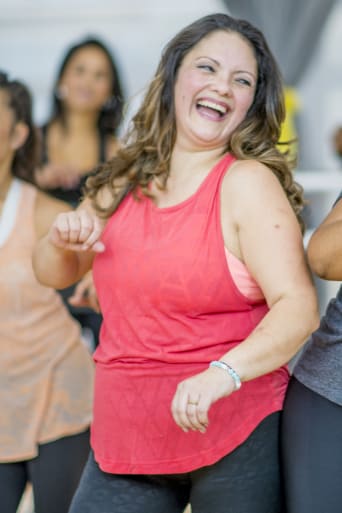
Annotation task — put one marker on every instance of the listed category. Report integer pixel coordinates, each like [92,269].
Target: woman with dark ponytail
[46,372]
[82,129]
[81,132]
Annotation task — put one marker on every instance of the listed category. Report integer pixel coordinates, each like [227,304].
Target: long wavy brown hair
[148,145]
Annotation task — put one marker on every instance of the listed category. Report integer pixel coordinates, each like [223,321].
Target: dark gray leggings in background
[245,481]
[312,451]
[54,475]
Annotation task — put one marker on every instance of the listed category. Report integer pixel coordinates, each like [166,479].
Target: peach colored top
[46,372]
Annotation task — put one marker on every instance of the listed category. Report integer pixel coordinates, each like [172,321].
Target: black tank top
[74,195]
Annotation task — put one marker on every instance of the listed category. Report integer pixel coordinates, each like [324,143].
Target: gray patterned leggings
[245,481]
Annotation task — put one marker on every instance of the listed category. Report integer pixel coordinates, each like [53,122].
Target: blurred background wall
[34,34]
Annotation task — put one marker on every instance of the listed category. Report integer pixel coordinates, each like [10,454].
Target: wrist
[56,249]
[229,370]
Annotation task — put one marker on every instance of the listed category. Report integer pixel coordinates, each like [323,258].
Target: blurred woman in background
[82,130]
[80,133]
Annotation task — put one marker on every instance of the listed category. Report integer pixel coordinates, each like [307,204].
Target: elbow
[319,262]
[319,267]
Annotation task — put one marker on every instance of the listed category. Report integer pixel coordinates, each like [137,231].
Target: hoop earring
[110,103]
[61,92]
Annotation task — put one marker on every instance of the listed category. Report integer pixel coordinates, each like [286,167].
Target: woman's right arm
[325,246]
[66,252]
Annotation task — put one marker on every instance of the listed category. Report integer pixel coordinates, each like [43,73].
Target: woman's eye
[206,67]
[79,70]
[244,81]
[100,75]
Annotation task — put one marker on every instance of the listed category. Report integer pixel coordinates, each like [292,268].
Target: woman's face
[87,80]
[214,90]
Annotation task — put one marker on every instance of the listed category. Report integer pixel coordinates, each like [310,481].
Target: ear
[19,135]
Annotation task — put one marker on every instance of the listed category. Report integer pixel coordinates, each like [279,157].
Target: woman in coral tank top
[202,281]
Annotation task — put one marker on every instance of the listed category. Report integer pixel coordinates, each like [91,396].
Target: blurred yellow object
[288,133]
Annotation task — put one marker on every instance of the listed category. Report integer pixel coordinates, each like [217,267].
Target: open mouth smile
[212,108]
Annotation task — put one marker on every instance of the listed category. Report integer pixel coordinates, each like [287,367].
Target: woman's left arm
[260,228]
[269,242]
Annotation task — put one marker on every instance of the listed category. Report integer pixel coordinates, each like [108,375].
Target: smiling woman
[82,129]
[200,273]
[216,82]
[81,133]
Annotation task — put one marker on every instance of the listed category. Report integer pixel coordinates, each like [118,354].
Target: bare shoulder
[250,173]
[46,210]
[251,186]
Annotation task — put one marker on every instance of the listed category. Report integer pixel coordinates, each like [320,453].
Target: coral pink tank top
[169,307]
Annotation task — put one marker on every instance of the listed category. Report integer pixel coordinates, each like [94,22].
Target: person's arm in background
[52,176]
[325,246]
[85,294]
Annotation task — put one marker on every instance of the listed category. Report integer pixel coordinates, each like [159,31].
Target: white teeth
[213,105]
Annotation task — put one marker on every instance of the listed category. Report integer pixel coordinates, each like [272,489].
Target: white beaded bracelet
[230,370]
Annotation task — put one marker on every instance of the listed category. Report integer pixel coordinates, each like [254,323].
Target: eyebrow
[218,64]
[206,57]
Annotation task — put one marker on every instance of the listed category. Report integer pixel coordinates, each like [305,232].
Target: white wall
[35,33]
[321,98]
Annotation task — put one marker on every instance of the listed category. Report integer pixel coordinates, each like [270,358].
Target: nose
[222,85]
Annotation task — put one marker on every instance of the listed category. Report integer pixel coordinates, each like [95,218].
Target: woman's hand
[85,293]
[195,395]
[77,230]
[52,176]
